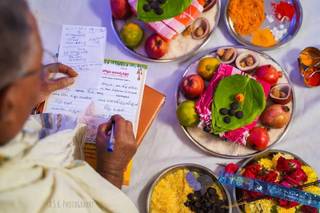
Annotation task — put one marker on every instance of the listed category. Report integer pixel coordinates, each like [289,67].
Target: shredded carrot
[246,15]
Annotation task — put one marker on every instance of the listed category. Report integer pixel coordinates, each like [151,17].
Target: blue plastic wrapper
[273,190]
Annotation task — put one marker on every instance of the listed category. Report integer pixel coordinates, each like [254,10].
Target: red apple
[120,9]
[156,47]
[192,86]
[258,138]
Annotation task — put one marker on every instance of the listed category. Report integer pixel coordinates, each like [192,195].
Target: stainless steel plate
[292,27]
[191,167]
[140,53]
[218,147]
[255,158]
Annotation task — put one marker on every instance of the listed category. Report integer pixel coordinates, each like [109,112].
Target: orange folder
[151,103]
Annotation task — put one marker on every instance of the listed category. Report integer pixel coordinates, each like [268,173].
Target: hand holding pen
[116,145]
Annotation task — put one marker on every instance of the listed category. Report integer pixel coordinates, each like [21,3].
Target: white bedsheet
[165,144]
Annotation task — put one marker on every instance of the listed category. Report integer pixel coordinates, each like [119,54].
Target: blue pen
[111,141]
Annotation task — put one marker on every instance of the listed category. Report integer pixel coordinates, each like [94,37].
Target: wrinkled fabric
[204,104]
[45,176]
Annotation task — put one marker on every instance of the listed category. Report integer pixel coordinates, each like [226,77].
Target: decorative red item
[287,204]
[252,170]
[269,74]
[283,10]
[231,168]
[251,194]
[308,209]
[297,177]
[288,165]
[271,177]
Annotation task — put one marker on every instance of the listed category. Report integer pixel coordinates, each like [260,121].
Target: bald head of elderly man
[42,174]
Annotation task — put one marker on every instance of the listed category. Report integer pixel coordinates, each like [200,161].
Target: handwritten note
[83,49]
[119,91]
[104,87]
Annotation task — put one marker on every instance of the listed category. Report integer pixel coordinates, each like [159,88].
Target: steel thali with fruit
[174,53]
[216,146]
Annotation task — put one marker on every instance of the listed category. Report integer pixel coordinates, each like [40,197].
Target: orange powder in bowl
[263,38]
[246,15]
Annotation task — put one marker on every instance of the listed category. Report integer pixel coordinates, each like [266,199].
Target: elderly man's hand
[50,85]
[111,165]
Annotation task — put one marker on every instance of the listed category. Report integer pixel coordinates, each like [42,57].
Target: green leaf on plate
[171,8]
[253,105]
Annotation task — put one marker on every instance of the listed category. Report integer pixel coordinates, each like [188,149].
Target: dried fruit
[239,114]
[158,11]
[227,55]
[232,112]
[247,61]
[223,111]
[200,28]
[187,31]
[234,105]
[227,119]
[281,93]
[146,7]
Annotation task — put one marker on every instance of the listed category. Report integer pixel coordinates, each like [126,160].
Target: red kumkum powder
[283,9]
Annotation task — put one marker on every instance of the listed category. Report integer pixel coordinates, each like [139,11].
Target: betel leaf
[171,8]
[252,106]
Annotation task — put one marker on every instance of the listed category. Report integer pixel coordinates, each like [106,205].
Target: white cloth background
[165,144]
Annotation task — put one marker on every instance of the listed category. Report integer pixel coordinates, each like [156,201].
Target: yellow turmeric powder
[263,38]
[246,15]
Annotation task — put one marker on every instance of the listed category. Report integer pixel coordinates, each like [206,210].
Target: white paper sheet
[103,88]
[83,49]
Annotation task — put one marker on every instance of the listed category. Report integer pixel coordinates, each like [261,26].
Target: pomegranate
[276,116]
[258,138]
[268,74]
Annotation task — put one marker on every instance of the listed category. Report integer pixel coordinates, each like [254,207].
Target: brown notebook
[151,103]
